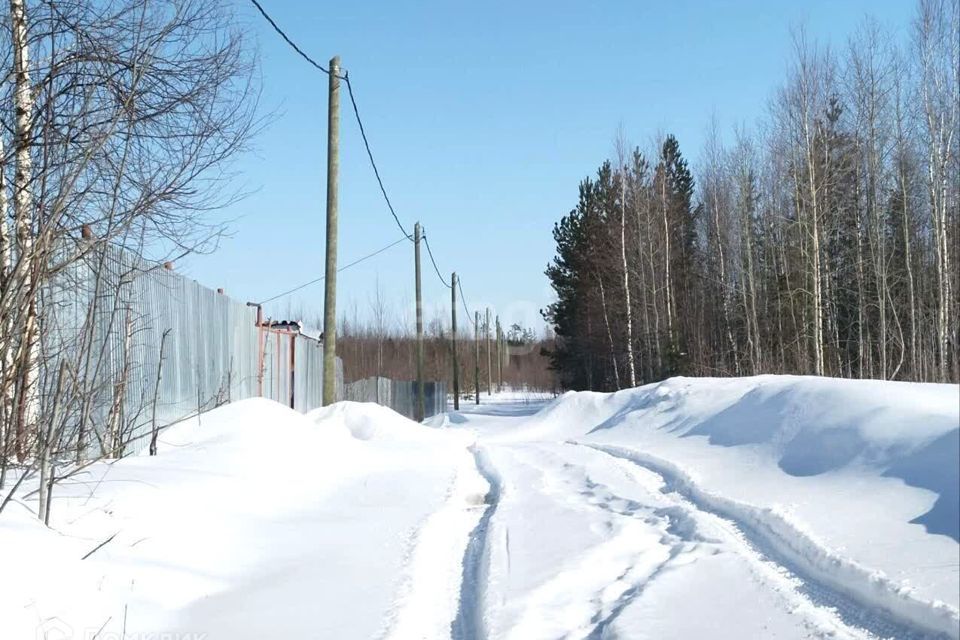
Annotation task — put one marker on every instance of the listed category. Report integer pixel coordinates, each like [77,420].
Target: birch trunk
[654,295]
[666,261]
[725,302]
[939,60]
[631,367]
[6,331]
[606,321]
[26,411]
[815,275]
[753,324]
[911,295]
[644,304]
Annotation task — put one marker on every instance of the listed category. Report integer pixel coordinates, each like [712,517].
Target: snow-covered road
[772,507]
[588,541]
[615,553]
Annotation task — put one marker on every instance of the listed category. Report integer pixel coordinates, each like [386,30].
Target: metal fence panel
[399,395]
[107,314]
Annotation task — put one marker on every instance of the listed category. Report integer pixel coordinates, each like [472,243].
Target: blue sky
[483,118]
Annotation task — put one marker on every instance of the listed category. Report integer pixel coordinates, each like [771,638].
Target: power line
[435,267]
[376,172]
[288,40]
[373,163]
[464,302]
[346,266]
[356,112]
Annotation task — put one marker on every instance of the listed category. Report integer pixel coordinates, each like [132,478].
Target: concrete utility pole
[499,357]
[476,355]
[330,281]
[416,256]
[486,335]
[453,340]
[506,350]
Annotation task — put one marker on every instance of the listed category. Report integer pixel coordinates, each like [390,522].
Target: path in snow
[581,541]
[768,544]
[594,518]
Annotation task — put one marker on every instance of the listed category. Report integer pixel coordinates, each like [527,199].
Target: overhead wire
[346,266]
[356,112]
[463,300]
[373,163]
[288,40]
[376,172]
[434,262]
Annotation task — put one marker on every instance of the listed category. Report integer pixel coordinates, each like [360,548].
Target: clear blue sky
[483,117]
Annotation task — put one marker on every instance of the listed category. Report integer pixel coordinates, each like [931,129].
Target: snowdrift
[810,426]
[253,521]
[852,482]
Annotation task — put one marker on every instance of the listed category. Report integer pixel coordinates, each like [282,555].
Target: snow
[850,485]
[252,522]
[773,506]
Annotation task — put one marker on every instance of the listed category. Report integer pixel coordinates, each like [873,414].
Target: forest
[821,241]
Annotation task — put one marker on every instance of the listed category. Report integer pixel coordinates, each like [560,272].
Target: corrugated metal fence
[399,395]
[110,316]
[109,313]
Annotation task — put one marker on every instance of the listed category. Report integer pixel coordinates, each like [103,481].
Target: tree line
[824,241]
[382,345]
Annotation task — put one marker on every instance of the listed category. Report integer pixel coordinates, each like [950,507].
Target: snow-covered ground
[767,507]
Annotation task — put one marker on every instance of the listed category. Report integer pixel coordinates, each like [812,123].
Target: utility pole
[453,340]
[476,355]
[330,275]
[486,335]
[499,357]
[506,350]
[418,414]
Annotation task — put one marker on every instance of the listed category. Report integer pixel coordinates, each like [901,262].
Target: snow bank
[253,521]
[854,482]
[371,421]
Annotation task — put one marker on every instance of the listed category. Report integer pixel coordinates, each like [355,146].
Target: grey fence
[292,369]
[109,314]
[399,395]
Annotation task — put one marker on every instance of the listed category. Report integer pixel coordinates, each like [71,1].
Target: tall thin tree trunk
[26,411]
[911,296]
[753,325]
[654,293]
[6,331]
[666,260]
[631,368]
[725,298]
[816,276]
[644,303]
[606,321]
[863,368]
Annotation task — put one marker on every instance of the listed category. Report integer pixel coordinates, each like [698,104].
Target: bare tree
[123,116]
[621,177]
[938,56]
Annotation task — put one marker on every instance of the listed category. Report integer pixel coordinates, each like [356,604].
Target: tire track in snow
[426,600]
[775,540]
[590,588]
[468,624]
[690,534]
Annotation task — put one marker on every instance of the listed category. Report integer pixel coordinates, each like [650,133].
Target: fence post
[293,369]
